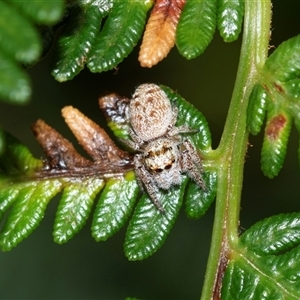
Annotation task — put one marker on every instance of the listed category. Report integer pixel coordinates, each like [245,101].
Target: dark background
[83,269]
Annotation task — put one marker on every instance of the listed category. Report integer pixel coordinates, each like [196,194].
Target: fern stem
[233,146]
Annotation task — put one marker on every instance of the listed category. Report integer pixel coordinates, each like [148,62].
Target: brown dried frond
[159,36]
[59,151]
[64,161]
[115,108]
[94,140]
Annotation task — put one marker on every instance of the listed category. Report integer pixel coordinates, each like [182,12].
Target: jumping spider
[162,153]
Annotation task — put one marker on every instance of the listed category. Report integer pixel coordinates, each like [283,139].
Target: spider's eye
[150,154]
[158,170]
[167,167]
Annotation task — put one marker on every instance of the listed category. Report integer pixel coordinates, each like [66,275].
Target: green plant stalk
[230,155]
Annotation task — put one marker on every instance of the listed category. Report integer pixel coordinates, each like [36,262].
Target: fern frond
[28,184]
[89,38]
[102,44]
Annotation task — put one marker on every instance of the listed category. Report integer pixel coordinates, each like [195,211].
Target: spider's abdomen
[150,112]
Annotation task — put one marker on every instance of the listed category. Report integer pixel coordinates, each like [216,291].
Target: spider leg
[181,129]
[135,137]
[145,180]
[135,143]
[191,164]
[172,130]
[129,143]
[137,160]
[174,115]
[193,153]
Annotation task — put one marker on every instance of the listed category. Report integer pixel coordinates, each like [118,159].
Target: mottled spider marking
[162,155]
[150,112]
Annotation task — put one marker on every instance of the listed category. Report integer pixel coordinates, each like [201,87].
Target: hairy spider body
[150,114]
[163,156]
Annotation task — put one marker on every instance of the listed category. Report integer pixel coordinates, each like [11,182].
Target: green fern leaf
[14,82]
[115,206]
[119,35]
[297,125]
[75,207]
[27,198]
[16,159]
[230,18]
[257,109]
[78,38]
[8,196]
[283,65]
[196,27]
[148,227]
[198,201]
[20,42]
[273,235]
[280,76]
[274,147]
[27,211]
[44,12]
[266,263]
[2,141]
[242,284]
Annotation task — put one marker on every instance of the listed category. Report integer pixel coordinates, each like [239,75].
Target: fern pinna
[80,181]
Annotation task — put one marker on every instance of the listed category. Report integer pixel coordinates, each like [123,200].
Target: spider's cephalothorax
[162,153]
